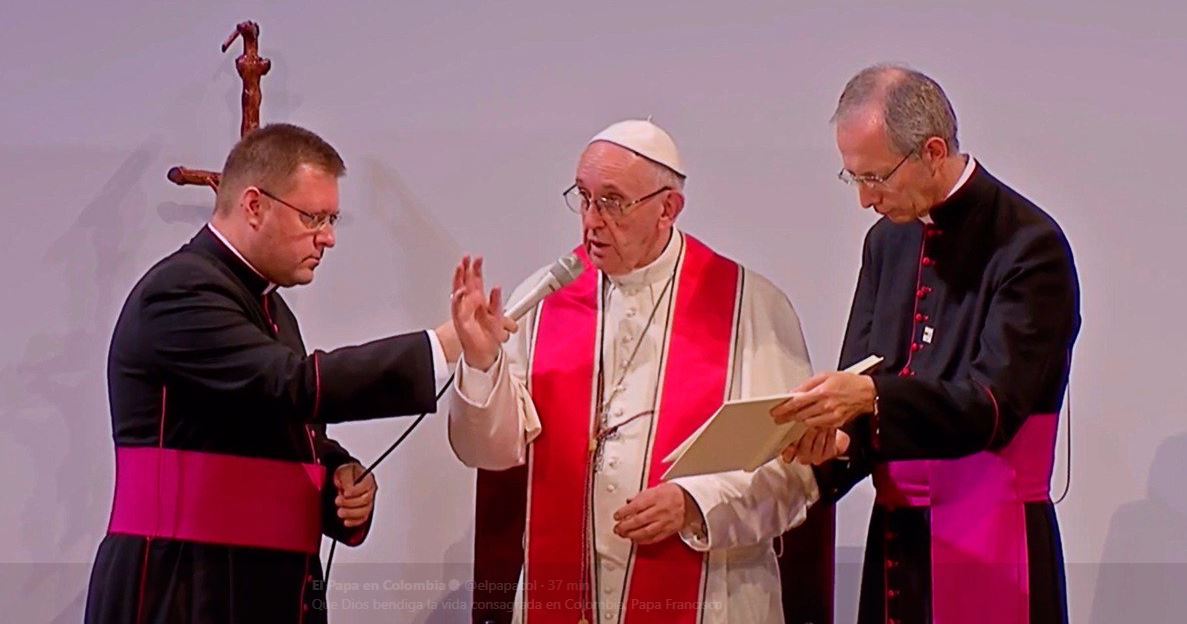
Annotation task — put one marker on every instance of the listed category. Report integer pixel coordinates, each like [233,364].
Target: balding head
[912,107]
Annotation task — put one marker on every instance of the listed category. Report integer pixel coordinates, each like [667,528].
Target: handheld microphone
[562,273]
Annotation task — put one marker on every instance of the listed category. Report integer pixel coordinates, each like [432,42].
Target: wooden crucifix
[251,67]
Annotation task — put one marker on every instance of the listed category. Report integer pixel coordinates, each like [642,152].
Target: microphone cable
[334,542]
[1067,486]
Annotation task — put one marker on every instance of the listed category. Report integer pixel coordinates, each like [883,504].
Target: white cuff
[695,536]
[476,386]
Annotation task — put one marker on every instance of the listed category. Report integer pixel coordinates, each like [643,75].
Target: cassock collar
[212,241]
[956,204]
[659,270]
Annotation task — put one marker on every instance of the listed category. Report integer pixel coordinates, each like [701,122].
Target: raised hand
[478,318]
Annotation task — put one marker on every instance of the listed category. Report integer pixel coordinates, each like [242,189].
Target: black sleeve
[200,335]
[835,478]
[1021,353]
[855,347]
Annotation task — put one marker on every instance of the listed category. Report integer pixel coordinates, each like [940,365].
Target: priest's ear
[252,206]
[934,152]
[673,205]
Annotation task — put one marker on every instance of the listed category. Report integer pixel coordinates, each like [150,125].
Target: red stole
[665,581]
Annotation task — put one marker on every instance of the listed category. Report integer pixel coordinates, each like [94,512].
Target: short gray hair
[913,106]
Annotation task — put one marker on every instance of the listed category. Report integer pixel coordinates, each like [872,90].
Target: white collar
[657,271]
[969,167]
[271,286]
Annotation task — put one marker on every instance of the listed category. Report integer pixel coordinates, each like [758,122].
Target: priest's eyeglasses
[579,201]
[871,180]
[310,220]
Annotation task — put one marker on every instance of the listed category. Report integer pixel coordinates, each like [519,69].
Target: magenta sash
[217,499]
[667,578]
[979,565]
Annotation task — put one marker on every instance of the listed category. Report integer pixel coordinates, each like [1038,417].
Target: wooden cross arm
[183,176]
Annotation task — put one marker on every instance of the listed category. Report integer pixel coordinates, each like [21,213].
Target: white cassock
[493,420]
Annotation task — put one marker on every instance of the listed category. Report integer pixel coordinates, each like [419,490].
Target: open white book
[741,435]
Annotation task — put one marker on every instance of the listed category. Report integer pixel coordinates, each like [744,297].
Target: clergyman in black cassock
[969,291]
[225,476]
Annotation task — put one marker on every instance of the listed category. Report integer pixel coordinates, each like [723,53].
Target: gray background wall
[461,123]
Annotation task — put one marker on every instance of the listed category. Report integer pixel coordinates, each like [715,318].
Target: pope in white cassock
[609,374]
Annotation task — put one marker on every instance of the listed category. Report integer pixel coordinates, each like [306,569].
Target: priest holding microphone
[604,377]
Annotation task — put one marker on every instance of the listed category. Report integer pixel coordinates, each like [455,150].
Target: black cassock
[976,314]
[218,416]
